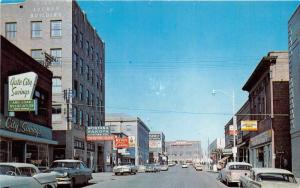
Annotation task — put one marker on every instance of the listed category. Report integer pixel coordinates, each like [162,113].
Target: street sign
[249,125]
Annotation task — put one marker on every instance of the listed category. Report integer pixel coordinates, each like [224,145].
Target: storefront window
[37,154]
[3,151]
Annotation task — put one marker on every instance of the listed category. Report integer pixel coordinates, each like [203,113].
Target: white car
[17,175]
[184,166]
[125,169]
[164,167]
[233,171]
[269,178]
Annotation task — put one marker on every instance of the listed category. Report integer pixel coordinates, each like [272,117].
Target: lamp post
[234,119]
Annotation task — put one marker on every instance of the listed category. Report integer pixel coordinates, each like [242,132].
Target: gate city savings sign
[20,91]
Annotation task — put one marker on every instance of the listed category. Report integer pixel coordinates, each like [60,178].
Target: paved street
[176,177]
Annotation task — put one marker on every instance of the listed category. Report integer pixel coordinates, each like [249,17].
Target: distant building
[25,136]
[137,130]
[182,151]
[61,29]
[294,59]
[268,88]
[215,149]
[157,149]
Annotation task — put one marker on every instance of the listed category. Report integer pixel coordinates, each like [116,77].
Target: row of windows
[36,29]
[77,118]
[37,54]
[89,96]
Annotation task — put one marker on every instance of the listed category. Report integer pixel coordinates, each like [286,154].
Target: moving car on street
[198,167]
[184,165]
[164,167]
[269,178]
[233,171]
[71,172]
[125,168]
[25,175]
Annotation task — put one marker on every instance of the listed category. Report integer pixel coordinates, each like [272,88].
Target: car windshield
[7,170]
[64,164]
[276,177]
[239,167]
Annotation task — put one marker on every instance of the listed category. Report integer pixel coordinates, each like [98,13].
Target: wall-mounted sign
[131,140]
[121,142]
[249,125]
[99,133]
[261,138]
[155,144]
[232,131]
[154,137]
[20,92]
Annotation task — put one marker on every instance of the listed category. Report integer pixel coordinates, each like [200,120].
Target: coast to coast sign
[20,92]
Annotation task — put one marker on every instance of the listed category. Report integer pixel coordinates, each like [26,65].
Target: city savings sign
[20,91]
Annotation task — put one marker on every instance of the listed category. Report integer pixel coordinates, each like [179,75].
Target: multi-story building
[215,149]
[137,130]
[294,59]
[268,87]
[157,147]
[182,151]
[25,136]
[61,29]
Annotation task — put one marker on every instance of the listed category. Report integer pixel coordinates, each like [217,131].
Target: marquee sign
[121,142]
[20,91]
[99,133]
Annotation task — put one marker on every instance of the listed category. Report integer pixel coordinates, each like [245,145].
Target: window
[75,34]
[87,120]
[87,97]
[56,28]
[75,89]
[92,98]
[56,109]
[36,29]
[87,48]
[81,40]
[11,30]
[98,102]
[56,85]
[97,59]
[37,55]
[92,121]
[92,52]
[75,60]
[87,72]
[56,53]
[80,117]
[92,76]
[74,117]
[81,92]
[78,144]
[97,77]
[81,66]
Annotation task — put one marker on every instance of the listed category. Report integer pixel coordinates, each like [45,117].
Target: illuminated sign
[249,125]
[121,142]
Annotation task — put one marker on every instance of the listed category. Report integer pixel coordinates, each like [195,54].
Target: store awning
[223,160]
[241,144]
[19,136]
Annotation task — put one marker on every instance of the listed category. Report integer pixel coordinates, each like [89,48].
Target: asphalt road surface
[176,177]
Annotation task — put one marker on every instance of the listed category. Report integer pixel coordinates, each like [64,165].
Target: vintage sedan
[198,167]
[150,168]
[269,178]
[233,171]
[125,168]
[17,175]
[70,172]
[164,167]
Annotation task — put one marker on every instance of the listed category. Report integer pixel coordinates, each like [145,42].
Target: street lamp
[214,92]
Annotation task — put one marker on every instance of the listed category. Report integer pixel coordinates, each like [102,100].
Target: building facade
[61,29]
[157,147]
[215,149]
[182,151]
[294,59]
[25,136]
[268,88]
[137,130]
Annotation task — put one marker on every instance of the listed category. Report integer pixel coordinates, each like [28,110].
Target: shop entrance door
[18,151]
[100,159]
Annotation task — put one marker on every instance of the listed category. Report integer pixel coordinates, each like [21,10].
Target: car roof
[271,170]
[239,163]
[17,165]
[67,160]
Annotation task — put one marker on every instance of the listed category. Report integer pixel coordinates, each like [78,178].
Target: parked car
[125,168]
[71,172]
[141,168]
[198,167]
[164,167]
[16,175]
[269,178]
[184,165]
[150,168]
[171,164]
[157,167]
[233,171]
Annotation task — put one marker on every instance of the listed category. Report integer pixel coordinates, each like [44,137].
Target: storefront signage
[99,133]
[18,126]
[24,105]
[131,140]
[100,138]
[261,138]
[121,142]
[154,137]
[232,131]
[227,151]
[249,125]
[155,144]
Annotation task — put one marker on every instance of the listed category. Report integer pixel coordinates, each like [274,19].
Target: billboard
[155,144]
[249,125]
[20,92]
[121,142]
[98,133]
[131,140]
[154,137]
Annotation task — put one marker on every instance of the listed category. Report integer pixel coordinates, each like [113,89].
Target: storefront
[22,141]
[261,150]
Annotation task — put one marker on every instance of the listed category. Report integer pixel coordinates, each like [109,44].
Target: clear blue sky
[168,56]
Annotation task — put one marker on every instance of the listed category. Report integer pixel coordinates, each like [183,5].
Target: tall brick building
[268,88]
